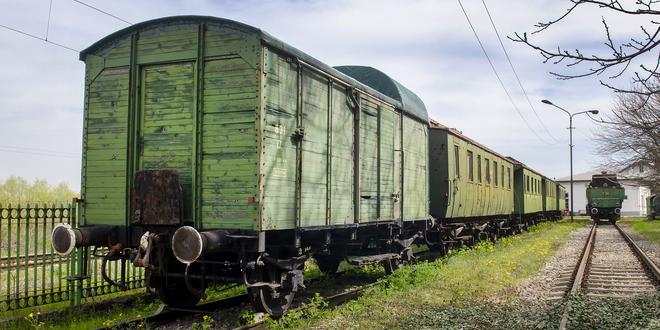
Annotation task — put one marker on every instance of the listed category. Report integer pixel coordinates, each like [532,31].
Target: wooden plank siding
[229,171]
[106,133]
[261,140]
[167,122]
[328,153]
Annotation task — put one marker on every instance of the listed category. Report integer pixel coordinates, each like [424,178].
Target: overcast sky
[426,45]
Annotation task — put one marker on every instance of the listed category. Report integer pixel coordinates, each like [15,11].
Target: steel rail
[581,270]
[334,300]
[643,257]
[168,314]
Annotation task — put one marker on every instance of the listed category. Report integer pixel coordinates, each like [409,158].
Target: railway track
[611,266]
[167,315]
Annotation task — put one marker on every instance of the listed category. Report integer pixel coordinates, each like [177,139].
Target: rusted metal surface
[157,198]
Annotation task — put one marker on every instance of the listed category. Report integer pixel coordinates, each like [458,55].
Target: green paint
[462,194]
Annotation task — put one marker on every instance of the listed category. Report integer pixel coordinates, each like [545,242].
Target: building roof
[364,78]
[585,176]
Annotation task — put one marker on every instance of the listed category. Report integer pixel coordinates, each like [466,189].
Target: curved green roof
[381,82]
[365,78]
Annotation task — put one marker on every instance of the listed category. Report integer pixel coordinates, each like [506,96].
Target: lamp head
[595,112]
[546,102]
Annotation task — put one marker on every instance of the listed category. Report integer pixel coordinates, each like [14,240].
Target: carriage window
[495,173]
[470,161]
[457,171]
[508,175]
[487,170]
[502,176]
[527,179]
[479,167]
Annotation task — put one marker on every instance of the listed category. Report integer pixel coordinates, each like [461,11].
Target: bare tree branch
[619,56]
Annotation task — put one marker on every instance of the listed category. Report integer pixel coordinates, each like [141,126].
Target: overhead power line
[39,38]
[40,150]
[515,73]
[47,154]
[499,79]
[50,10]
[103,11]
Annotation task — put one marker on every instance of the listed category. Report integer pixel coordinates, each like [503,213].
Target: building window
[470,160]
[495,173]
[457,164]
[479,167]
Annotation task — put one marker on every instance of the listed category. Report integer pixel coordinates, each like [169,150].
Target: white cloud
[425,44]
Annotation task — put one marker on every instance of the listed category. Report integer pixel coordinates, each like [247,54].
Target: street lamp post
[570,143]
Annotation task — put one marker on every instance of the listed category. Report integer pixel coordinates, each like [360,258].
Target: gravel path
[611,250]
[540,287]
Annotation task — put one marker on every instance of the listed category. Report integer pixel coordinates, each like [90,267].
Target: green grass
[467,277]
[647,228]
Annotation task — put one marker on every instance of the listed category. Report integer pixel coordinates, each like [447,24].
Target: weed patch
[468,276]
[647,228]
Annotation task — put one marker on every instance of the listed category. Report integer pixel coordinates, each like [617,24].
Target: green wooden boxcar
[469,181]
[264,136]
[208,140]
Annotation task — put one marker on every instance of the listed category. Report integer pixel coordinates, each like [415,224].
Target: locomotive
[604,197]
[214,152]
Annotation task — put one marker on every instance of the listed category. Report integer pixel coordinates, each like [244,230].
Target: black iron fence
[32,274]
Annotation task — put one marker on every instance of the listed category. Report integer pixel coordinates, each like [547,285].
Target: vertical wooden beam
[132,150]
[378,146]
[328,177]
[299,140]
[403,165]
[357,113]
[197,127]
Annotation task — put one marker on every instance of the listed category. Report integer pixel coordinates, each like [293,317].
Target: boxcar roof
[365,78]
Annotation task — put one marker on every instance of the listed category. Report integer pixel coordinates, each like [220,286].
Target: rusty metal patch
[157,198]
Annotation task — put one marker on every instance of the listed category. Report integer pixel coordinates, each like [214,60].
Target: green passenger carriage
[471,186]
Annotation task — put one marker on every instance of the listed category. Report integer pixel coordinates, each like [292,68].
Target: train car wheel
[274,301]
[493,236]
[391,265]
[174,293]
[328,264]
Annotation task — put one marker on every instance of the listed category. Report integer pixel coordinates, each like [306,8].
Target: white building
[635,205]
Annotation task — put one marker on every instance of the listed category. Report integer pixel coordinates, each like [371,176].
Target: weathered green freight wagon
[471,186]
[257,153]
[263,136]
